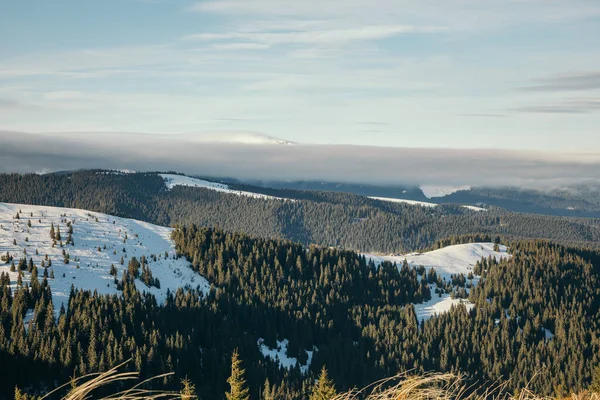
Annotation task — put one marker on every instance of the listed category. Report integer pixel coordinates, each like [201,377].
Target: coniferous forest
[325,218]
[278,272]
[537,312]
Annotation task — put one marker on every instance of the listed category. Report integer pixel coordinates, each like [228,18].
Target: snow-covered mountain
[99,241]
[448,261]
[181,180]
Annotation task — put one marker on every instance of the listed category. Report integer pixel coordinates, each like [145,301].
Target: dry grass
[402,387]
[444,387]
[86,387]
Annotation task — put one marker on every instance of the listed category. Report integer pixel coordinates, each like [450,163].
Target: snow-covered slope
[100,241]
[411,202]
[431,191]
[180,180]
[420,203]
[448,261]
[456,259]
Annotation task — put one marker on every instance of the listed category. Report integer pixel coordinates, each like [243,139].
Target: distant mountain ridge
[578,201]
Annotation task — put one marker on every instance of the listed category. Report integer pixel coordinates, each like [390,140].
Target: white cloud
[239,46]
[332,36]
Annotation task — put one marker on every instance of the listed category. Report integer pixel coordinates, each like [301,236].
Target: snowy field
[420,203]
[448,261]
[100,241]
[180,180]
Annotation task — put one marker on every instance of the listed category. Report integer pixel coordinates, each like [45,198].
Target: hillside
[98,241]
[324,218]
[290,310]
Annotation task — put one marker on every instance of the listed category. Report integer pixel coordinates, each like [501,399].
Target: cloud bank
[268,159]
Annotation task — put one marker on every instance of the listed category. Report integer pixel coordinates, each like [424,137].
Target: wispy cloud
[483,115]
[572,106]
[572,82]
[331,36]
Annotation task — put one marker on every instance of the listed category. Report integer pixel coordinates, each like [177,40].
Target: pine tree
[52,232]
[324,388]
[236,381]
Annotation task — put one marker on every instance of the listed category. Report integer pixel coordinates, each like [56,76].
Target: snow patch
[180,180]
[411,202]
[419,203]
[431,191]
[99,242]
[280,355]
[439,305]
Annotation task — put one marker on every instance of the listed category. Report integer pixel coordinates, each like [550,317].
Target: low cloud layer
[268,160]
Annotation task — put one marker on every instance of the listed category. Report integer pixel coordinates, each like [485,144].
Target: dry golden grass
[402,387]
[444,387]
[85,387]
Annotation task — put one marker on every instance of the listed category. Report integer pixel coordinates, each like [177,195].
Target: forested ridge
[325,218]
[537,312]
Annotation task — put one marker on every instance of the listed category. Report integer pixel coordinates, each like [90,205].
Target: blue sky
[449,73]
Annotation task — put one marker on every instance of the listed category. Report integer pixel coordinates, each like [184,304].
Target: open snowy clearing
[280,356]
[439,305]
[448,261]
[100,241]
[420,203]
[180,180]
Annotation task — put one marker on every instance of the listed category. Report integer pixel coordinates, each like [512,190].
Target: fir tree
[324,388]
[236,381]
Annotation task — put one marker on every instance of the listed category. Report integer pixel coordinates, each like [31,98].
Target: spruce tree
[324,388]
[236,381]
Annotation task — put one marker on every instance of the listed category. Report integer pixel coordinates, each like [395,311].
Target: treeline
[325,218]
[536,314]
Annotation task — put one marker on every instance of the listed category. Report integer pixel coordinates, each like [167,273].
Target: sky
[504,74]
